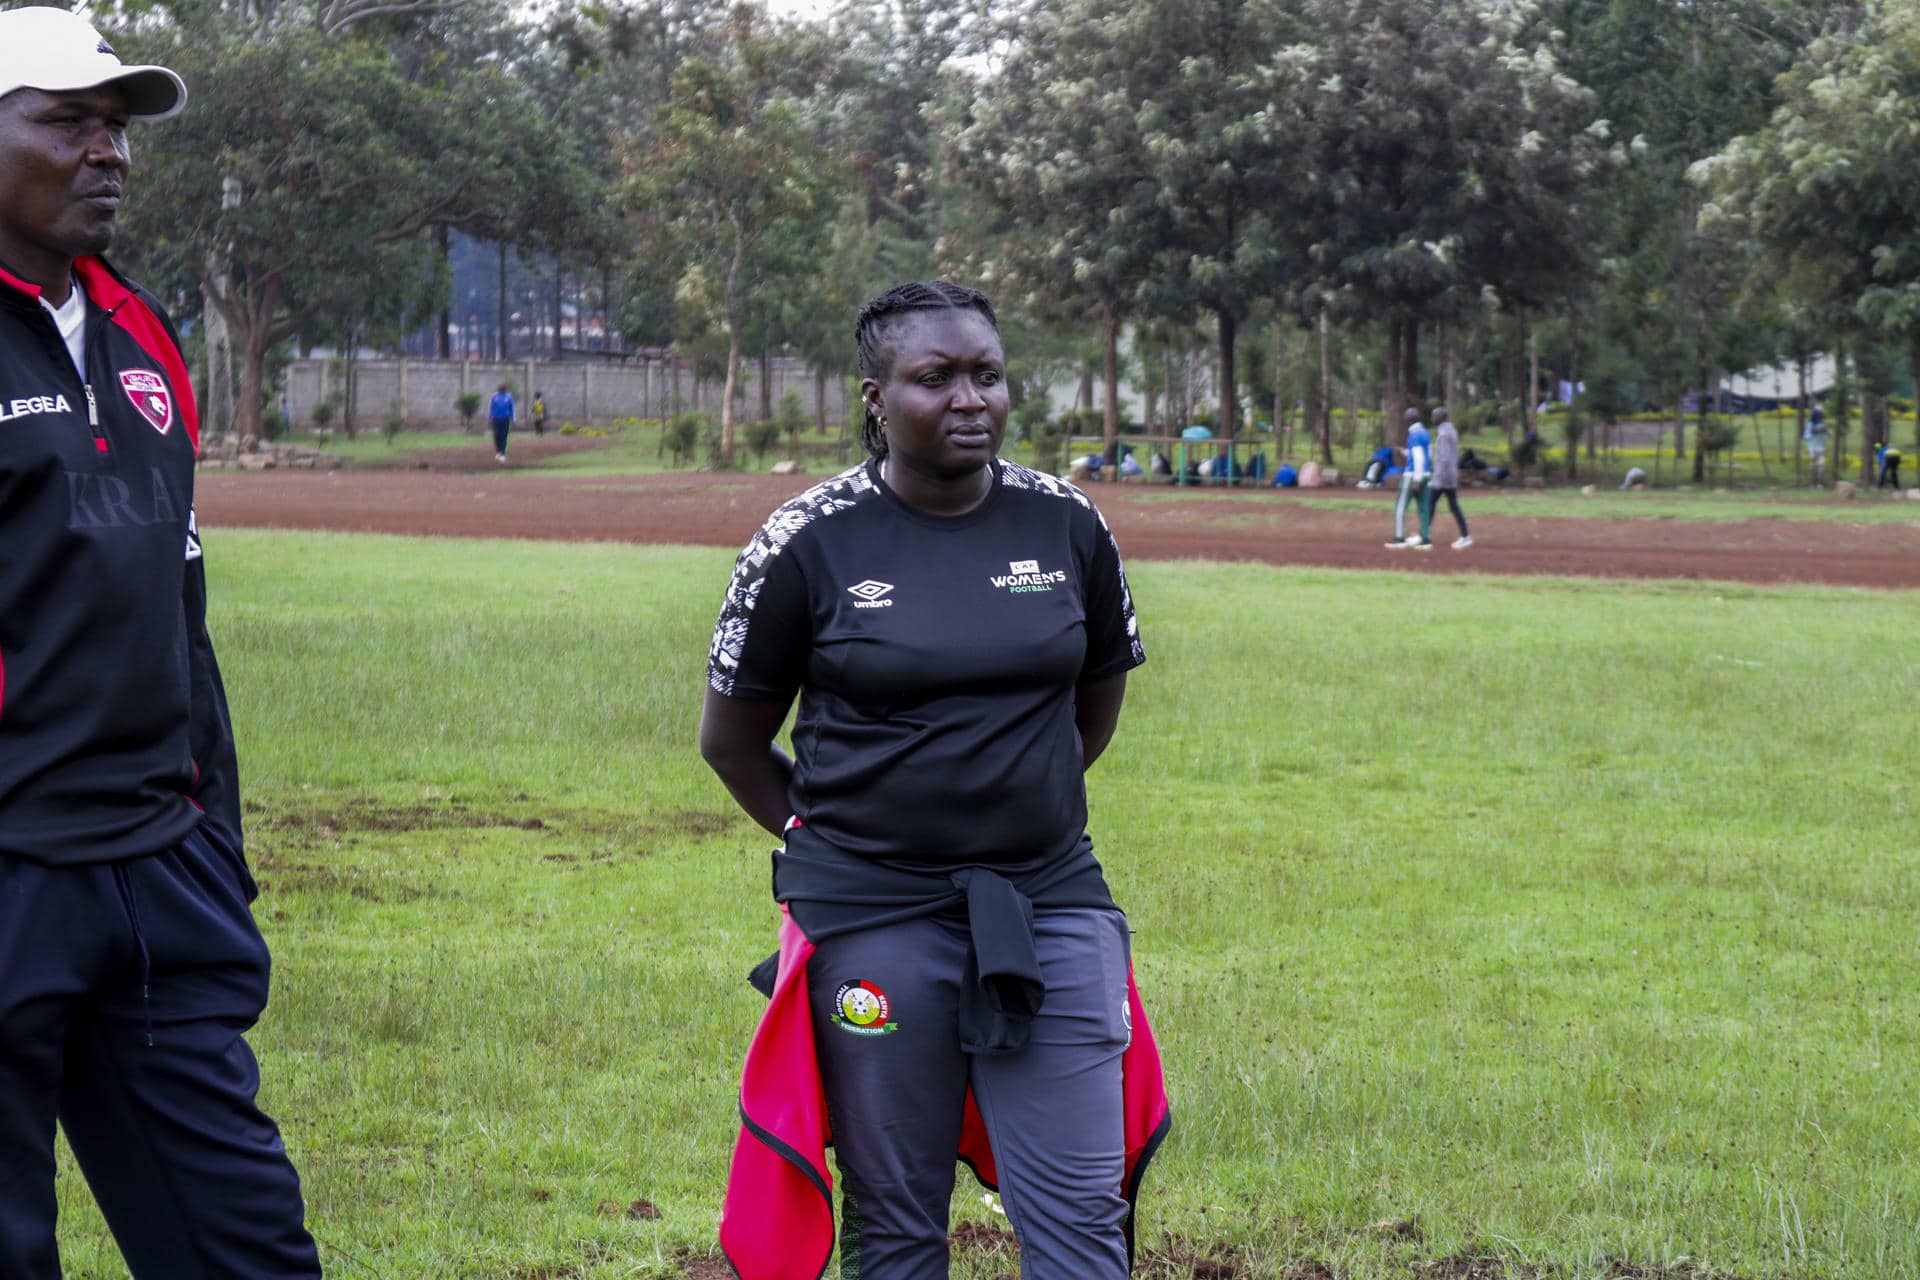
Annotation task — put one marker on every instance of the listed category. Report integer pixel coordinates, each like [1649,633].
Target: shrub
[1031,413]
[322,413]
[792,417]
[681,436]
[712,445]
[1719,434]
[468,403]
[764,435]
[1524,453]
[1049,437]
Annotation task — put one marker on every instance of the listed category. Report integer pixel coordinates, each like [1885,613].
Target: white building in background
[1781,382]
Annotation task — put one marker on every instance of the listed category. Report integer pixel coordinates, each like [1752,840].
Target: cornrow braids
[874,328]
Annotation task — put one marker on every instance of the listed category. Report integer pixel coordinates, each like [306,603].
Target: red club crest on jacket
[149,393]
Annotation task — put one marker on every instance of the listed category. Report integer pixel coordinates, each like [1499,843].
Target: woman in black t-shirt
[958,632]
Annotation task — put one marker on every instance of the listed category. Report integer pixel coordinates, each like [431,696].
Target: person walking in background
[539,414]
[130,964]
[1446,479]
[1889,458]
[500,411]
[1413,481]
[1815,438]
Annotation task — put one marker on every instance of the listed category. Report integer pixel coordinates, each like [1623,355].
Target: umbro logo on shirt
[870,593]
[1024,576]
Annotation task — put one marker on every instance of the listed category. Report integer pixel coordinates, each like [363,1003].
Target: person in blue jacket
[1413,483]
[1815,438]
[500,410]
[1889,459]
[1377,468]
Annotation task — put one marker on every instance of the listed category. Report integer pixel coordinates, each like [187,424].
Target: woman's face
[945,397]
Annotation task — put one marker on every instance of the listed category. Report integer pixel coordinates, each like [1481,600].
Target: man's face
[64,165]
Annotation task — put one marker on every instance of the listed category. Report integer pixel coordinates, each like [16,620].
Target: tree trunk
[726,399]
[1396,396]
[443,241]
[1173,420]
[1110,385]
[1325,406]
[1279,386]
[609,338]
[1532,404]
[1701,355]
[1842,411]
[1511,407]
[501,347]
[820,401]
[766,383]
[217,407]
[1410,363]
[559,307]
[253,377]
[1800,419]
[1229,409]
[350,389]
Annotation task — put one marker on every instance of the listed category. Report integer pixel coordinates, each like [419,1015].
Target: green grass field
[1544,921]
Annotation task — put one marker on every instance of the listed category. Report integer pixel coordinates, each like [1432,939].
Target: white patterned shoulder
[1015,476]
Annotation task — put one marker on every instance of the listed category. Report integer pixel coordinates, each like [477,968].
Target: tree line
[1430,199]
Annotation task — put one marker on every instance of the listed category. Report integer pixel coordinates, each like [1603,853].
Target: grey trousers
[885,1006]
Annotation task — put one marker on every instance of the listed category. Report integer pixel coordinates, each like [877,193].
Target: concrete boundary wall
[580,393]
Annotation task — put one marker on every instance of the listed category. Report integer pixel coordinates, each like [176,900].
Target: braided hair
[882,316]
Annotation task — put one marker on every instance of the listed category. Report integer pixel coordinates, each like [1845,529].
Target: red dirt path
[1265,526]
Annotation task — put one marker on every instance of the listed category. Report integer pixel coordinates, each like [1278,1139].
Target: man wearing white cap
[130,965]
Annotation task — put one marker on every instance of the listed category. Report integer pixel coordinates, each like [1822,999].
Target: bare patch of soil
[984,1237]
[1266,526]
[523,448]
[1178,1258]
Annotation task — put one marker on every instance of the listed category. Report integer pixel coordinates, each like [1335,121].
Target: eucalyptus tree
[302,183]
[1680,80]
[731,179]
[1451,159]
[896,64]
[1054,147]
[1829,189]
[1220,125]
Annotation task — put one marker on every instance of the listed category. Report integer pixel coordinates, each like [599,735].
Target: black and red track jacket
[114,736]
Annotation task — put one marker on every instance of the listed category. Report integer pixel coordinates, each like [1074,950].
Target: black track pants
[896,1089]
[125,989]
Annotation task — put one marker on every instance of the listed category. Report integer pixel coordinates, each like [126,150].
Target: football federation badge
[148,391]
[861,1008]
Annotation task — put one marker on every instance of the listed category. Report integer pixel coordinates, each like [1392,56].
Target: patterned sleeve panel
[1113,630]
[759,644]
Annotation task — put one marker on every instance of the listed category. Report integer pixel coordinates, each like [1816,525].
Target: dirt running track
[1265,526]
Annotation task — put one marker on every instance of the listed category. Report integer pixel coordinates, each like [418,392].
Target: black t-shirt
[936,660]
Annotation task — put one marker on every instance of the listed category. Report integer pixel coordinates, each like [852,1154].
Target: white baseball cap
[57,52]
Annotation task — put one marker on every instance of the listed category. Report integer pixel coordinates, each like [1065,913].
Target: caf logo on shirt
[1024,577]
[861,1007]
[149,393]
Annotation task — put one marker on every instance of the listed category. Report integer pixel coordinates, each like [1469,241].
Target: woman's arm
[736,741]
[1096,710]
